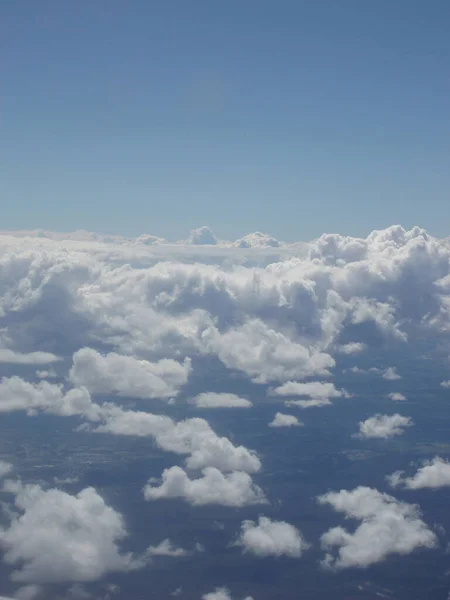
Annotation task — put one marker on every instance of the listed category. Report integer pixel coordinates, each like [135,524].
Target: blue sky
[289,117]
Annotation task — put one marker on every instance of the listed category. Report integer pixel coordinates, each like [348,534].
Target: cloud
[282,420]
[202,235]
[213,487]
[191,436]
[312,389]
[271,538]
[222,400]
[445,384]
[384,426]
[127,376]
[391,374]
[397,397]
[352,348]
[387,527]
[257,239]
[56,537]
[30,358]
[221,593]
[5,468]
[265,354]
[432,474]
[166,548]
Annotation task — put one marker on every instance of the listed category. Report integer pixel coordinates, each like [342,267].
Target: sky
[293,118]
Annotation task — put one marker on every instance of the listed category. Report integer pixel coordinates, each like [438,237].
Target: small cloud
[221,593]
[314,402]
[271,538]
[391,374]
[213,487]
[283,420]
[202,236]
[432,474]
[445,384]
[166,548]
[352,348]
[222,400]
[383,426]
[387,527]
[30,358]
[397,397]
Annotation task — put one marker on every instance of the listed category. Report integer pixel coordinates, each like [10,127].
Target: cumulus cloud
[445,384]
[213,487]
[384,426]
[202,235]
[271,538]
[432,474]
[283,420]
[221,593]
[265,354]
[220,400]
[57,537]
[191,436]
[387,527]
[127,376]
[30,358]
[391,374]
[397,397]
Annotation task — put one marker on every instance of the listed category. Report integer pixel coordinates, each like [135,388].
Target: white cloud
[201,236]
[391,374]
[57,537]
[220,400]
[191,436]
[432,474]
[5,468]
[30,358]
[445,384]
[127,376]
[312,389]
[384,426]
[271,538]
[387,527]
[283,420]
[221,593]
[352,348]
[397,397]
[265,354]
[315,402]
[166,548]
[213,487]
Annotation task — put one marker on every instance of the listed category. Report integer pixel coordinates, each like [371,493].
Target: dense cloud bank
[102,329]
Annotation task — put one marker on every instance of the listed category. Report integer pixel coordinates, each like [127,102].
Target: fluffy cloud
[397,397]
[191,436]
[127,376]
[317,392]
[213,487]
[220,400]
[221,593]
[384,426]
[282,420]
[271,538]
[265,354]
[432,474]
[445,384]
[58,537]
[387,527]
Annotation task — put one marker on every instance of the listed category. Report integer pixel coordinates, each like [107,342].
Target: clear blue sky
[290,117]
